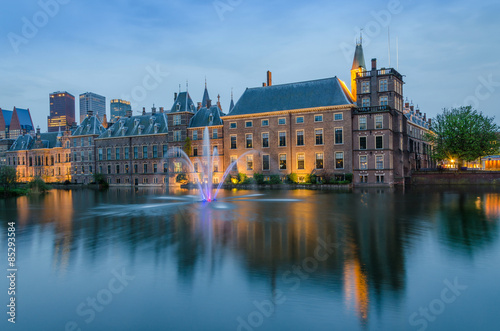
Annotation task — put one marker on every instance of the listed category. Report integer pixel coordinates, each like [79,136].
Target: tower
[358,65]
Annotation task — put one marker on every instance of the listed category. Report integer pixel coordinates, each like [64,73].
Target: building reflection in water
[371,227]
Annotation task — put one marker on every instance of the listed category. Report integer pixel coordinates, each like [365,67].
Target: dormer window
[136,122]
[211,119]
[88,127]
[141,128]
[110,132]
[177,107]
[124,130]
[152,120]
[122,123]
[191,107]
[157,127]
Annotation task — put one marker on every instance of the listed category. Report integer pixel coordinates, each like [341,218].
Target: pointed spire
[231,106]
[206,97]
[359,58]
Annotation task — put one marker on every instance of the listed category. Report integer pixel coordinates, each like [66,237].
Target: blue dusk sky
[143,50]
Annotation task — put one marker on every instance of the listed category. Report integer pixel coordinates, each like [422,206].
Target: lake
[150,259]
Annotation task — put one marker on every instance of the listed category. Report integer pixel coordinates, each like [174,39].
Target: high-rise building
[119,108]
[92,104]
[62,111]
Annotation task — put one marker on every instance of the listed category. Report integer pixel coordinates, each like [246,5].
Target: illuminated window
[249,140]
[282,160]
[249,162]
[301,161]
[362,123]
[363,162]
[319,136]
[319,160]
[379,120]
[233,142]
[339,160]
[379,162]
[282,139]
[365,87]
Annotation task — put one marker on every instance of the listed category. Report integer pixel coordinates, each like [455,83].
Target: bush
[37,185]
[348,177]
[181,178]
[275,179]
[292,178]
[100,180]
[259,178]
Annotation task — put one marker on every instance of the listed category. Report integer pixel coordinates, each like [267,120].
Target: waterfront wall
[456,178]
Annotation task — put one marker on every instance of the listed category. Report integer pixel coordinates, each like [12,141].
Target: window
[233,159]
[232,125]
[265,162]
[338,117]
[379,162]
[248,124]
[339,160]
[300,161]
[249,162]
[379,143]
[109,169]
[165,167]
[264,123]
[117,153]
[144,152]
[177,119]
[282,159]
[318,118]
[117,169]
[362,142]
[282,139]
[135,169]
[339,136]
[108,154]
[126,168]
[299,119]
[233,142]
[300,138]
[362,123]
[74,142]
[145,168]
[363,163]
[319,136]
[90,141]
[90,156]
[155,168]
[365,102]
[379,120]
[215,134]
[249,140]
[82,142]
[383,101]
[265,139]
[363,179]
[195,151]
[383,85]
[136,152]
[177,135]
[165,150]
[365,87]
[195,135]
[282,121]
[379,178]
[90,170]
[319,160]
[155,151]
[82,156]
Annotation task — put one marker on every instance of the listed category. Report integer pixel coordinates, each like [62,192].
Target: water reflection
[373,231]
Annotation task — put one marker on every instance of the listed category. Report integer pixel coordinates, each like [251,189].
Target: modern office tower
[91,103]
[62,111]
[119,108]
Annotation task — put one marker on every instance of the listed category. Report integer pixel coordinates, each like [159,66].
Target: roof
[310,94]
[91,125]
[7,116]
[137,126]
[27,142]
[231,105]
[207,117]
[24,117]
[183,103]
[206,97]
[359,58]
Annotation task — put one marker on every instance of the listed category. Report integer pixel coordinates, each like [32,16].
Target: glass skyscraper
[92,103]
[62,111]
[119,108]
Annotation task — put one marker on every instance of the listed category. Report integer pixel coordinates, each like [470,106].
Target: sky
[142,51]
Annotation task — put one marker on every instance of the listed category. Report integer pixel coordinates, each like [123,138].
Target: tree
[463,134]
[8,178]
[187,146]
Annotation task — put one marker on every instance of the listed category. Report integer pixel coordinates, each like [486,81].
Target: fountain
[207,193]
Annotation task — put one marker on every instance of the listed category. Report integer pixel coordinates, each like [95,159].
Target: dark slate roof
[231,106]
[7,115]
[22,143]
[359,58]
[202,117]
[185,103]
[137,126]
[91,125]
[206,97]
[26,142]
[310,94]
[24,119]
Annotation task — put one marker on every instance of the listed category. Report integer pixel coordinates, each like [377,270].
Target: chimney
[128,113]
[37,130]
[374,64]
[143,110]
[199,106]
[175,96]
[407,105]
[269,78]
[162,110]
[209,103]
[264,85]
[425,117]
[411,108]
[153,110]
[218,102]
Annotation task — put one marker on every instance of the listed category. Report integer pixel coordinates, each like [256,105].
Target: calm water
[285,260]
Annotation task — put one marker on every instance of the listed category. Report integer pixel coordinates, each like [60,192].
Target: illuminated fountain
[207,191]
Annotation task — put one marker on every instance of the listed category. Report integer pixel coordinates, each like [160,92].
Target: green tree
[8,178]
[187,146]
[463,134]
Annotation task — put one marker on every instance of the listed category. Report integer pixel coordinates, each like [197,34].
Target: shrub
[348,177]
[259,178]
[100,180]
[275,179]
[181,178]
[37,185]
[292,178]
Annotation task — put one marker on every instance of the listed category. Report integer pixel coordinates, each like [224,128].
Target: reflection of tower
[59,207]
[356,288]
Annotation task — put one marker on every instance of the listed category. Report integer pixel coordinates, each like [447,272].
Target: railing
[373,109]
[381,72]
